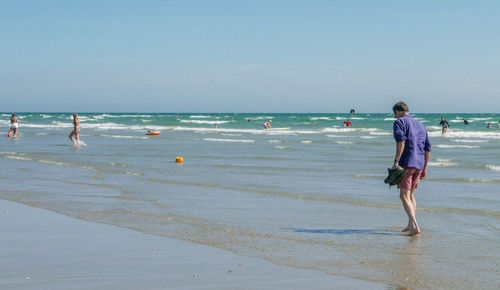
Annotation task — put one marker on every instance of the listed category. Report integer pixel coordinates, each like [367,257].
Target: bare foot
[414,232]
[407,229]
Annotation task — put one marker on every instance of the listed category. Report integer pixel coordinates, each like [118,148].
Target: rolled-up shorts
[411,179]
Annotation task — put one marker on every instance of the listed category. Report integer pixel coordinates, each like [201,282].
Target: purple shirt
[413,133]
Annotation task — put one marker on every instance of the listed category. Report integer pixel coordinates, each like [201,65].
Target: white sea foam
[124,116]
[280,147]
[456,146]
[275,141]
[468,141]
[103,126]
[133,173]
[212,122]
[22,157]
[263,118]
[335,136]
[389,119]
[200,117]
[493,167]
[367,137]
[54,125]
[338,130]
[229,140]
[369,130]
[17,157]
[343,142]
[434,128]
[442,163]
[227,134]
[380,133]
[481,119]
[306,141]
[320,118]
[467,134]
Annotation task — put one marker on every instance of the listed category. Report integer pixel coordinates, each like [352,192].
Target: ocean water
[301,194]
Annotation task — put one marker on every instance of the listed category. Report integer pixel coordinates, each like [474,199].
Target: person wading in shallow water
[76,130]
[413,151]
[444,125]
[14,126]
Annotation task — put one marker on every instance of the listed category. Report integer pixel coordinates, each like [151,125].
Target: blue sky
[249,56]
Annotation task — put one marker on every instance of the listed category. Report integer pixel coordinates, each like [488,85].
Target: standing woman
[76,130]
[14,126]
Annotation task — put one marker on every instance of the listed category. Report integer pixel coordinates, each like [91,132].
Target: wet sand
[45,250]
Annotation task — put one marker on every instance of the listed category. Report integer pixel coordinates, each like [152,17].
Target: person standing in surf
[444,124]
[14,126]
[413,151]
[76,130]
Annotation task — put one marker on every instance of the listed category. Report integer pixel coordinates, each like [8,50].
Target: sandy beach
[45,250]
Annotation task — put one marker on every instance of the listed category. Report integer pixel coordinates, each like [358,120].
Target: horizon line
[151,112]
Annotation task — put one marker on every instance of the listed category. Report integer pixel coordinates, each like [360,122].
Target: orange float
[153,133]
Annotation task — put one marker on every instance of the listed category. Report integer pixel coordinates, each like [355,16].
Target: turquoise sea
[307,193]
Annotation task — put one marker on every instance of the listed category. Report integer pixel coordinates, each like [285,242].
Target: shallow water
[310,196]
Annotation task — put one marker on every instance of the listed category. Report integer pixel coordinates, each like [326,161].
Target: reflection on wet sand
[408,264]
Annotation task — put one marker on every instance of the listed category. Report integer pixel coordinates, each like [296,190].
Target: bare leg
[405,195]
[15,132]
[414,203]
[10,131]
[71,137]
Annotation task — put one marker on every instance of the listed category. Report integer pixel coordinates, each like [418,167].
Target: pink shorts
[411,179]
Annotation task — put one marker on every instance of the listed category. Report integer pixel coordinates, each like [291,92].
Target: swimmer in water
[444,125]
[466,122]
[267,125]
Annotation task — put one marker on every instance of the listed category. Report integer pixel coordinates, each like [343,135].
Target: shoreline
[44,249]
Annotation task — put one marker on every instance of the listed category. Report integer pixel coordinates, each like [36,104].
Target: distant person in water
[76,130]
[444,125]
[353,112]
[14,126]
[267,125]
[498,124]
[413,151]
[249,120]
[215,126]
[466,122]
[489,126]
[347,123]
